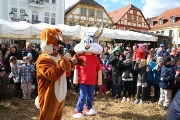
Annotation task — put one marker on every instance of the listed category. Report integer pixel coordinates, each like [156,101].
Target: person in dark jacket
[127,77]
[3,49]
[166,83]
[174,108]
[114,59]
[142,70]
[27,50]
[12,52]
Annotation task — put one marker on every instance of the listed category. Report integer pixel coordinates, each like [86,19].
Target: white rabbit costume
[86,76]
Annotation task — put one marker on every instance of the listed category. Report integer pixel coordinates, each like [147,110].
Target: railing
[34,21]
[37,2]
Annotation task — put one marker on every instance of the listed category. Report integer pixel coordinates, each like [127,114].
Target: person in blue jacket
[166,83]
[151,65]
[174,108]
[165,53]
[156,75]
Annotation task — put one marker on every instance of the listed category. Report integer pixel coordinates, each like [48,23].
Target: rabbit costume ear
[99,31]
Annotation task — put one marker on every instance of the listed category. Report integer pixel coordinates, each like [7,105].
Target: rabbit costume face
[89,42]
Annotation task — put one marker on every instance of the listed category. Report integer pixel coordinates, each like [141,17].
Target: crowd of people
[132,73]
[126,72]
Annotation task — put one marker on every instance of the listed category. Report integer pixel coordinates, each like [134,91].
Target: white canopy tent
[24,30]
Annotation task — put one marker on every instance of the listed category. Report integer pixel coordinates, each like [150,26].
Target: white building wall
[58,8]
[175,37]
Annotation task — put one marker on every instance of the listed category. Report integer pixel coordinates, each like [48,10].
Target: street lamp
[25,16]
[11,14]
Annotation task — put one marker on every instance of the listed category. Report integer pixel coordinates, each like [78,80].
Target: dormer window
[172,19]
[151,23]
[161,21]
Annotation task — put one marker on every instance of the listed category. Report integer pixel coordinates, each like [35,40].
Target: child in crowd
[4,83]
[15,75]
[26,71]
[127,77]
[30,57]
[109,78]
[166,83]
[149,78]
[156,75]
[176,67]
[33,62]
[102,88]
[142,69]
[177,77]
[1,61]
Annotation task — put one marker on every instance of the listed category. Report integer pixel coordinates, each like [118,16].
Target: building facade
[168,23]
[87,13]
[38,11]
[129,18]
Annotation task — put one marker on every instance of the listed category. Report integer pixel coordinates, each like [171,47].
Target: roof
[166,16]
[116,15]
[84,2]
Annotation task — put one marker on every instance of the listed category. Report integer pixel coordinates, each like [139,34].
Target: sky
[149,8]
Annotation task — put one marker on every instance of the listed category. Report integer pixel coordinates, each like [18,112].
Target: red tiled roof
[166,16]
[116,15]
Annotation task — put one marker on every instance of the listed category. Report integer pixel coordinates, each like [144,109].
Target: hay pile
[108,108]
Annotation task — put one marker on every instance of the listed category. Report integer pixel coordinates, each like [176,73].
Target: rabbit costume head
[89,42]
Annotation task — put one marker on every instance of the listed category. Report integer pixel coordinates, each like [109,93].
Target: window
[81,24]
[72,23]
[171,33]
[35,16]
[157,32]
[47,1]
[53,18]
[134,18]
[91,12]
[99,14]
[90,25]
[151,23]
[162,32]
[83,11]
[110,26]
[161,21]
[139,19]
[22,12]
[172,19]
[54,1]
[128,17]
[14,10]
[46,18]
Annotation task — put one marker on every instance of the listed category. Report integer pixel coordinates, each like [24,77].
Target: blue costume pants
[86,95]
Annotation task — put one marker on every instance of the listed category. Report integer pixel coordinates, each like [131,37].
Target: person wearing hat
[114,59]
[65,50]
[165,53]
[4,83]
[166,83]
[159,53]
[139,53]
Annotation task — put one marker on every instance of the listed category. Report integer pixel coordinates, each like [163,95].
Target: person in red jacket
[140,53]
